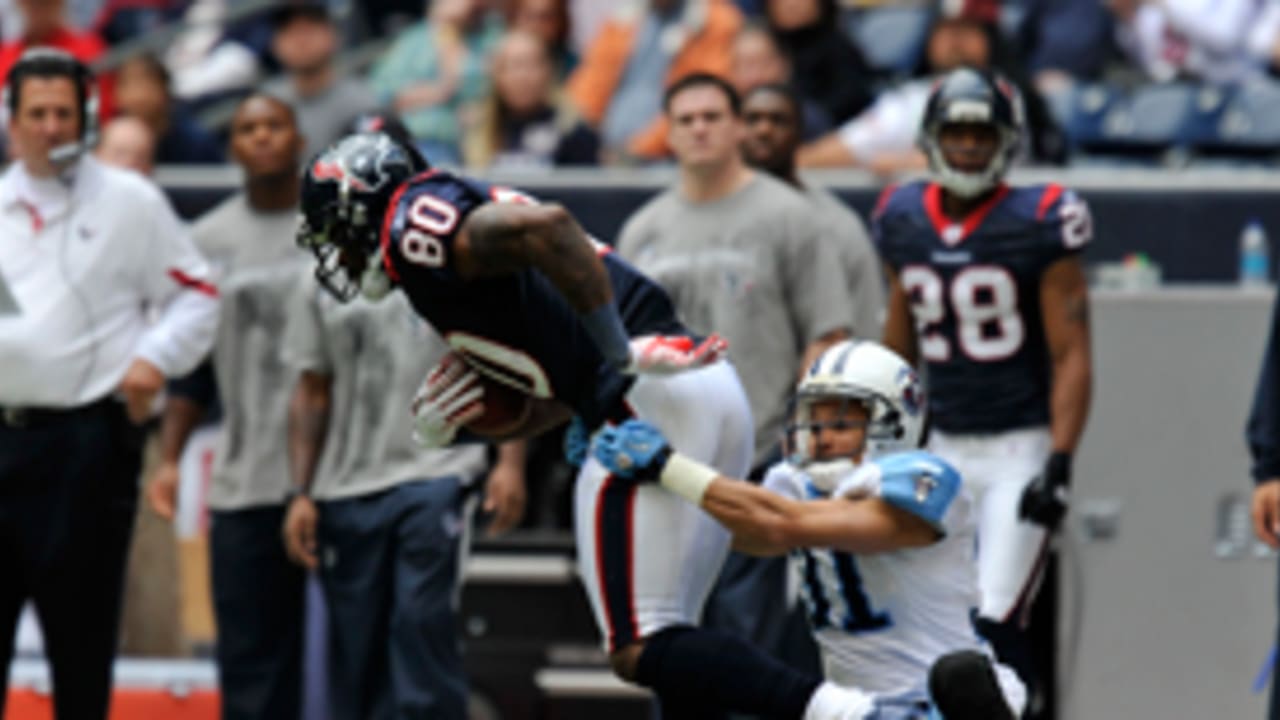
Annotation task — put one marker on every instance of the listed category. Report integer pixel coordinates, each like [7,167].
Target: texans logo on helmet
[328,170]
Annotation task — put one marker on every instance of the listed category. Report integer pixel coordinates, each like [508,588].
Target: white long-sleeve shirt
[1210,39]
[85,262]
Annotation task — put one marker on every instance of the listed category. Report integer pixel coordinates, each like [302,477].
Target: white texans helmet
[873,376]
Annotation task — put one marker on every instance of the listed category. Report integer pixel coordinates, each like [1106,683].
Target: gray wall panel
[1169,630]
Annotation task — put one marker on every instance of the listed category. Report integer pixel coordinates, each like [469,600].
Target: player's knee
[625,661]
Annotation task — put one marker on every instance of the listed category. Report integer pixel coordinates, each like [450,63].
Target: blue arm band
[604,325]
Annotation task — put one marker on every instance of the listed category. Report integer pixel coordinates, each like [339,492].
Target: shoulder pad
[1064,214]
[919,482]
[786,479]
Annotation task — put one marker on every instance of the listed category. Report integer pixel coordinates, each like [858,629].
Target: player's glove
[1044,501]
[670,354]
[634,451]
[451,397]
[577,442]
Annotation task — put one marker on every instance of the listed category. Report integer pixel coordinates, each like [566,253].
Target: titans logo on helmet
[912,395]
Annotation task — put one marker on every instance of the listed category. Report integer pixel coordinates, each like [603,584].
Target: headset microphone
[65,155]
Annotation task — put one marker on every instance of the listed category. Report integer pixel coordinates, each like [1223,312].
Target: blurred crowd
[533,84]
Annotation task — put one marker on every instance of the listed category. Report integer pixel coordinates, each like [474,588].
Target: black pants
[68,494]
[259,604]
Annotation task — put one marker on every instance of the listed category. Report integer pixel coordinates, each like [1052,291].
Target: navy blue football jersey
[515,328]
[974,288]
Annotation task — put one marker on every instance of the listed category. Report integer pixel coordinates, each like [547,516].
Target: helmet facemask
[971,97]
[345,245]
[878,419]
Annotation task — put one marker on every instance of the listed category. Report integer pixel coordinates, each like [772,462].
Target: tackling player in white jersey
[882,536]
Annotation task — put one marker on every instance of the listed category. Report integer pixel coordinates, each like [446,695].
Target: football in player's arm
[442,232]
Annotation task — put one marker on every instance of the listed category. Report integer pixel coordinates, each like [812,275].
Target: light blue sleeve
[919,482]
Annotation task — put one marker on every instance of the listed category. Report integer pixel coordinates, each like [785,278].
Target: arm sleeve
[179,282]
[1220,25]
[304,346]
[1262,432]
[1067,222]
[818,299]
[883,128]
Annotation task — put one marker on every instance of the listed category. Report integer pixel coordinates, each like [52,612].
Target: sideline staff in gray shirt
[740,254]
[258,594]
[85,251]
[381,519]
[774,123]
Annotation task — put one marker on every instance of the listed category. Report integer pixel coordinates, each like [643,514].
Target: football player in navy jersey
[528,300]
[988,292]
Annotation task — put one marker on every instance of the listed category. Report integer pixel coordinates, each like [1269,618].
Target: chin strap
[374,283]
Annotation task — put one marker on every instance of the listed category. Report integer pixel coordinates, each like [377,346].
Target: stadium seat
[891,38]
[1248,127]
[1153,125]
[1086,110]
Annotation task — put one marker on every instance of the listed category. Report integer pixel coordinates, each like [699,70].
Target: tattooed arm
[501,238]
[1064,304]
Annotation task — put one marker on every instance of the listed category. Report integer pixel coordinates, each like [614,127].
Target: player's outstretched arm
[1064,302]
[899,329]
[762,522]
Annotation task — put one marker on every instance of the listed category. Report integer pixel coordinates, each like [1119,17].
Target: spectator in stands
[549,20]
[772,117]
[618,86]
[258,595]
[883,138]
[45,24]
[827,67]
[758,60]
[128,142]
[143,92]
[524,122]
[743,254]
[306,43]
[1206,40]
[1064,41]
[119,21]
[222,50]
[436,72]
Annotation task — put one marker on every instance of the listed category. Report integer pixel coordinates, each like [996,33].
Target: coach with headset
[87,253]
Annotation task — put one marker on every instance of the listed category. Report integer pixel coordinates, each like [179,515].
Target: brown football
[505,408]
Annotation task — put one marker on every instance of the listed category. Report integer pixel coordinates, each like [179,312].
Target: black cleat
[963,686]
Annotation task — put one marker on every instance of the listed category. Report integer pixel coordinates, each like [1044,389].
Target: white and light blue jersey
[882,619]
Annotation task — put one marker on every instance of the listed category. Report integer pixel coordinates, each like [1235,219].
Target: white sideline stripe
[525,569]
[177,676]
[559,682]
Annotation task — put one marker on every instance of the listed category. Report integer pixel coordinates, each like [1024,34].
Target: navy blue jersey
[515,328]
[974,288]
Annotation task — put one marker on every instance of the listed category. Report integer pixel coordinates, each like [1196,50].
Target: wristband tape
[687,478]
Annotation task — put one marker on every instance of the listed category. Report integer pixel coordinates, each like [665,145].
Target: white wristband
[687,478]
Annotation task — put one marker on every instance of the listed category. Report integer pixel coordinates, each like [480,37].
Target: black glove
[1044,502]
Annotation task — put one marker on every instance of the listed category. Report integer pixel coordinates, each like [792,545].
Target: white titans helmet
[873,376]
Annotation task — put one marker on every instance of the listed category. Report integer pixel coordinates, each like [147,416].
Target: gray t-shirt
[257,264]
[377,355]
[859,259]
[324,118]
[753,267]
